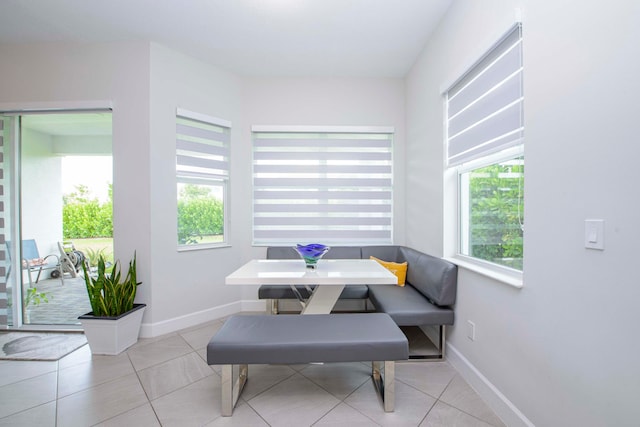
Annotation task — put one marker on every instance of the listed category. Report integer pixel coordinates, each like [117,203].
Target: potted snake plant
[114,323]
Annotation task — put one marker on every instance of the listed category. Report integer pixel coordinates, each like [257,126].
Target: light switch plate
[594,234]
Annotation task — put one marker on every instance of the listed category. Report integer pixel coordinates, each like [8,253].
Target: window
[202,172]
[485,135]
[331,186]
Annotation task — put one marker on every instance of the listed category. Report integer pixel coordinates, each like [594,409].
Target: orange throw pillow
[400,270]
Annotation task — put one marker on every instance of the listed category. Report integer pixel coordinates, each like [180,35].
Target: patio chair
[31,261]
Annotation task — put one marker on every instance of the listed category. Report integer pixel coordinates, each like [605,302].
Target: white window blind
[332,187]
[202,147]
[485,106]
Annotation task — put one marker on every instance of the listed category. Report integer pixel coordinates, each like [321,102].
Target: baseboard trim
[150,330]
[501,405]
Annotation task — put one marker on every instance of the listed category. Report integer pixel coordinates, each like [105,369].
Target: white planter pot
[113,335]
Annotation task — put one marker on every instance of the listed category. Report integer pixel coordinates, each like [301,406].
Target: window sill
[508,277]
[189,248]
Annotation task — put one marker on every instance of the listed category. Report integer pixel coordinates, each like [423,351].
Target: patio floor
[66,302]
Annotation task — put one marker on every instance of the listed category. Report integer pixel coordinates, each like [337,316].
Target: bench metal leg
[231,389]
[385,385]
[441,347]
[272,306]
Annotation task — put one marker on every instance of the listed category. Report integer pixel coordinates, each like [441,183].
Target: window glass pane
[200,213]
[492,218]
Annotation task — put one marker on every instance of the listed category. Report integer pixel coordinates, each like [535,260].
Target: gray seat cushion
[285,292]
[336,252]
[408,307]
[287,339]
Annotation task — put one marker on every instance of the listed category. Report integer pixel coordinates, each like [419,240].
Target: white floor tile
[17,397]
[294,402]
[460,395]
[411,405]
[12,371]
[41,416]
[166,377]
[339,379]
[429,377]
[193,405]
[199,338]
[144,341]
[443,415]
[81,355]
[153,353]
[243,416]
[202,352]
[345,416]
[98,370]
[142,416]
[263,377]
[100,403]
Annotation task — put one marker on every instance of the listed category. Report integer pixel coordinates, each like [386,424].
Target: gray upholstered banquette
[427,299]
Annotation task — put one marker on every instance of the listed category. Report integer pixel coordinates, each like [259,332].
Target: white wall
[41,187]
[562,350]
[188,287]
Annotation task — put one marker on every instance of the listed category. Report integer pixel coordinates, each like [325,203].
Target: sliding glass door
[62,213]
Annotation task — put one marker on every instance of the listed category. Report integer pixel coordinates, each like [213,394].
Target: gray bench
[295,339]
[427,299]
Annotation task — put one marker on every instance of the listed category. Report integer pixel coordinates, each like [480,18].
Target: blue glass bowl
[311,253]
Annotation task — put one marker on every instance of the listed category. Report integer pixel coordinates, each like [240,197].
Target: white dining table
[330,277]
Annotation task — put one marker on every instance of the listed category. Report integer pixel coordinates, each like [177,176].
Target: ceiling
[361,38]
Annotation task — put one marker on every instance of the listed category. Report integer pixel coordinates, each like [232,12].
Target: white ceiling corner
[360,38]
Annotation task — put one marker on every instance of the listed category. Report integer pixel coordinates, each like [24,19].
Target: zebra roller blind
[202,146]
[330,186]
[485,106]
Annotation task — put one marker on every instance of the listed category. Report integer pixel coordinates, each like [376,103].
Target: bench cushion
[285,292]
[408,307]
[287,339]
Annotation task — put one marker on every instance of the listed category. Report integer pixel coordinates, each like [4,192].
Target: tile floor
[165,381]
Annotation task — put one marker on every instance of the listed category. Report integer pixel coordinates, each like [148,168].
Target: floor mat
[38,346]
